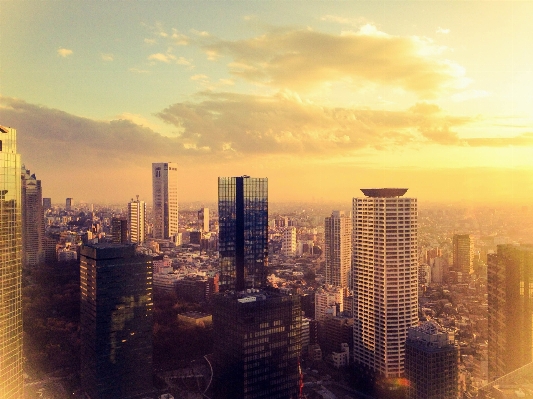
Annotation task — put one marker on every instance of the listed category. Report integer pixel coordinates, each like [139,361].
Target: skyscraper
[165,196]
[510,300]
[463,254]
[385,274]
[47,203]
[32,219]
[68,203]
[11,380]
[431,362]
[137,221]
[119,231]
[243,231]
[338,240]
[288,245]
[116,322]
[203,219]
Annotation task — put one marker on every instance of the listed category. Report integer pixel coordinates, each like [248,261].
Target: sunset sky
[321,97]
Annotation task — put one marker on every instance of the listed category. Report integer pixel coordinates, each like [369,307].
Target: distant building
[463,254]
[385,278]
[243,231]
[11,377]
[510,300]
[116,322]
[165,199]
[119,231]
[203,219]
[257,345]
[328,301]
[334,331]
[288,246]
[338,240]
[47,203]
[68,204]
[32,219]
[431,362]
[137,221]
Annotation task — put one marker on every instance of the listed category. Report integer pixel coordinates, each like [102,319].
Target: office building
[165,199]
[47,203]
[203,220]
[338,243]
[329,300]
[68,204]
[463,254]
[257,345]
[431,362]
[11,379]
[32,219]
[385,276]
[119,231]
[243,231]
[137,221]
[510,300]
[116,322]
[288,244]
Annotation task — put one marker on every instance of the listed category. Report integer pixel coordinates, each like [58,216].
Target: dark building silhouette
[510,300]
[119,231]
[32,219]
[431,362]
[116,322]
[47,203]
[257,343]
[68,203]
[243,231]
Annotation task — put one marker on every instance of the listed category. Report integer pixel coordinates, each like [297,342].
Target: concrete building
[165,199]
[510,300]
[119,231]
[288,244]
[116,322]
[431,362]
[329,300]
[32,219]
[137,221]
[47,203]
[338,241]
[203,220]
[463,254]
[68,204]
[11,378]
[243,231]
[385,277]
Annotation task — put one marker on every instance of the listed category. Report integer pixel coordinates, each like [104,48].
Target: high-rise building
[165,196]
[32,219]
[385,276]
[137,221]
[116,322]
[463,254]
[68,203]
[329,300]
[288,244]
[257,345]
[243,231]
[11,379]
[510,300]
[47,203]
[119,231]
[431,362]
[203,219]
[338,243]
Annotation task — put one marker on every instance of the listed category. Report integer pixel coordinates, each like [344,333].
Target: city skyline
[428,95]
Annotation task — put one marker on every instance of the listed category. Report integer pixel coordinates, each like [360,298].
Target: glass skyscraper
[11,380]
[243,231]
[165,197]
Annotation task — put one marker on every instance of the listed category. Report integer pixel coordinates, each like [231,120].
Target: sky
[321,97]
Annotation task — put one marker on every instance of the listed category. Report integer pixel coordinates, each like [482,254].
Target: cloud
[525,139]
[343,20]
[199,77]
[183,61]
[167,58]
[470,94]
[137,70]
[107,57]
[150,41]
[442,31]
[64,52]
[303,59]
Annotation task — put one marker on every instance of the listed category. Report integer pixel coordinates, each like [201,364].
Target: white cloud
[167,58]
[443,31]
[107,57]
[64,52]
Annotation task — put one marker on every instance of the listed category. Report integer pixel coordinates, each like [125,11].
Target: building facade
[385,276]
[431,362]
[119,231]
[288,244]
[32,219]
[165,199]
[243,231]
[463,254]
[137,221]
[11,378]
[257,345]
[68,204]
[116,322]
[338,243]
[47,203]
[203,219]
[510,300]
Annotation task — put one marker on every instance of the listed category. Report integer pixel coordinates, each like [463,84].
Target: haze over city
[323,98]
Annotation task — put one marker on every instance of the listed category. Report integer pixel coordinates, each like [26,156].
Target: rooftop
[384,192]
